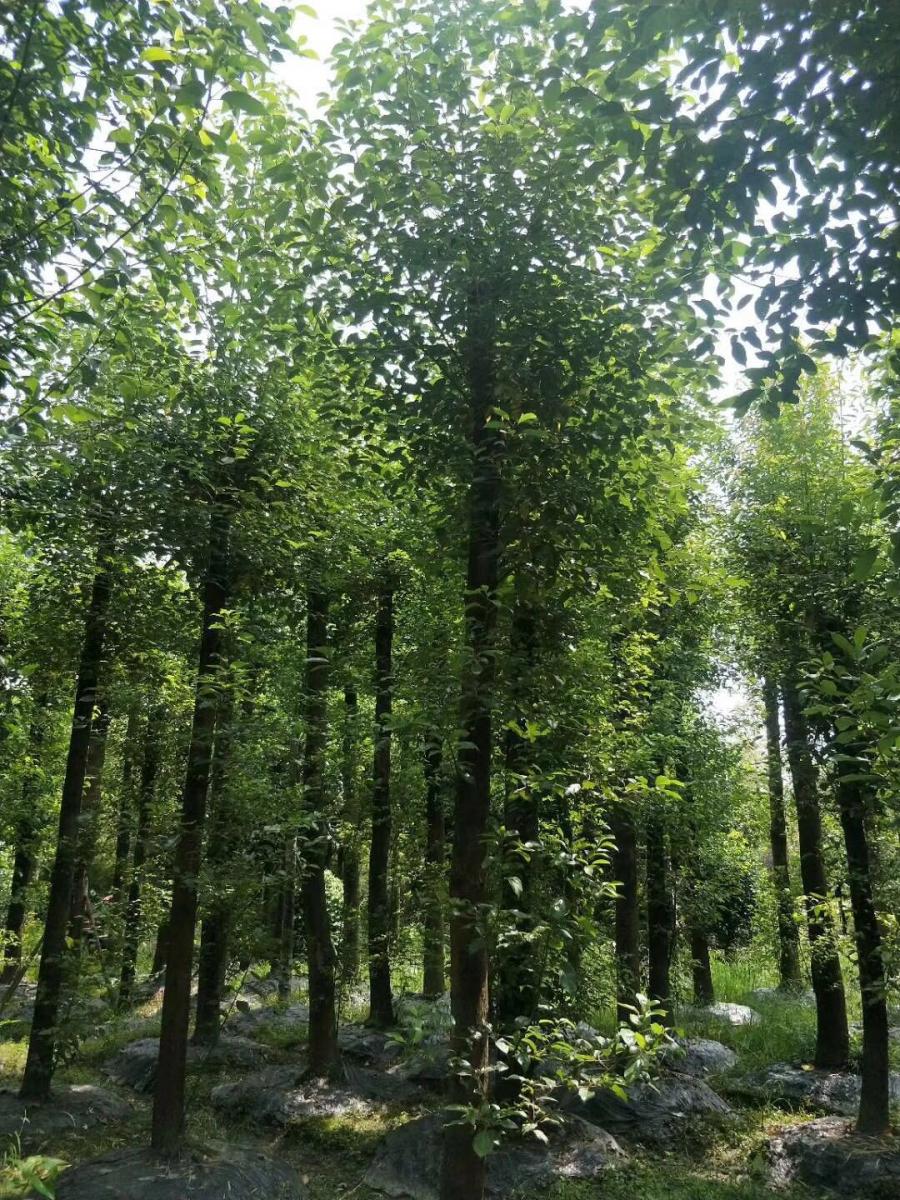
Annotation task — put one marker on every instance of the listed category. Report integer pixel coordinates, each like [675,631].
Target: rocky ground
[716,1125]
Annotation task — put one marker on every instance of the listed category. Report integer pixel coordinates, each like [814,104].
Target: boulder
[211,1175]
[135,1064]
[74,1107]
[284,1095]
[825,1155]
[369,1045]
[408,1161]
[731,1014]
[699,1057]
[835,1092]
[249,1021]
[656,1112]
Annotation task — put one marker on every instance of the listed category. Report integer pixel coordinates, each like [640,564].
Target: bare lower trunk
[628,920]
[323,1047]
[24,862]
[125,815]
[788,935]
[463,1170]
[659,919]
[435,871]
[87,834]
[701,969]
[168,1101]
[350,849]
[133,913]
[284,965]
[44,1025]
[832,1034]
[874,1117]
[381,1007]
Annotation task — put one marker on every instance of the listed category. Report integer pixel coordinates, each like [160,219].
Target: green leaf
[154,54]
[865,563]
[483,1143]
[239,101]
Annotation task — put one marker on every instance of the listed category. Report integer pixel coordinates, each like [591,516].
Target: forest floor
[713,1159]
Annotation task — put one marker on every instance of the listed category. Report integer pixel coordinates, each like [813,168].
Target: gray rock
[835,1092]
[825,1155]
[732,1014]
[284,1095]
[656,1112]
[70,1108]
[138,1175]
[408,1161]
[699,1057]
[250,1022]
[135,1064]
[368,1045]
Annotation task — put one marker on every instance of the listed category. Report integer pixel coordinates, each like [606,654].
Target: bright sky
[307,76]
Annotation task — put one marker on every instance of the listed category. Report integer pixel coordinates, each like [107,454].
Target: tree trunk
[701,969]
[518,983]
[133,914]
[24,857]
[168,1100]
[215,928]
[628,919]
[323,1047]
[659,919]
[873,1118]
[463,1171]
[87,833]
[832,1035]
[350,849]
[381,1008]
[42,1043]
[788,934]
[435,868]
[125,816]
[287,913]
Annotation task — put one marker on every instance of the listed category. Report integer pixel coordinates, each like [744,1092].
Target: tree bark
[788,934]
[168,1101]
[463,1171]
[701,969]
[287,913]
[659,919]
[42,1043]
[24,861]
[215,927]
[832,1034]
[381,1007]
[873,1118]
[125,815]
[133,914]
[350,849]
[628,920]
[435,868]
[323,1046]
[87,833]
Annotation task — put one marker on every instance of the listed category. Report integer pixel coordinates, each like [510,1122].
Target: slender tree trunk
[287,913]
[628,917]
[323,1047]
[788,934]
[518,982]
[133,914]
[873,1118]
[463,1171]
[125,815]
[659,918]
[215,927]
[832,1035]
[42,1043]
[87,834]
[24,857]
[350,852]
[381,1007]
[701,969]
[168,1100]
[435,870]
